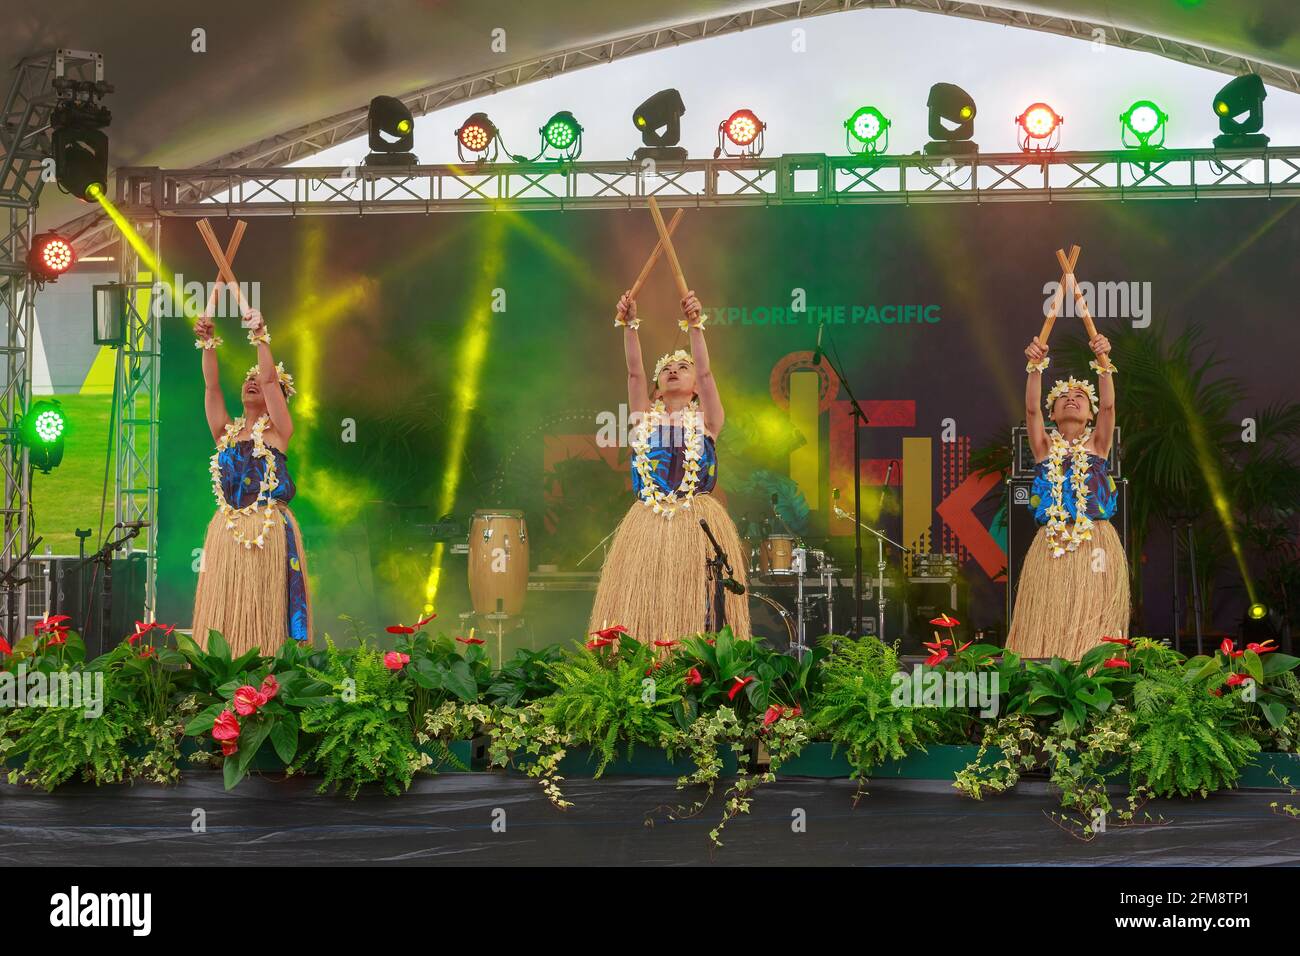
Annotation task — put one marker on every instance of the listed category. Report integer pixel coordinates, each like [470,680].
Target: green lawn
[69,496]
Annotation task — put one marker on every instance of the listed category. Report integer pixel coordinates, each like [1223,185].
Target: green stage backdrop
[453,362]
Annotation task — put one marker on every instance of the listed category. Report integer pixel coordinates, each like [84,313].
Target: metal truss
[135,402]
[781,180]
[94,232]
[25,148]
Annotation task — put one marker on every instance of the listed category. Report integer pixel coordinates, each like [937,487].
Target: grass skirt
[243,592]
[1066,605]
[654,582]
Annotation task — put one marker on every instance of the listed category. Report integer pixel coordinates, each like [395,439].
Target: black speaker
[103,603]
[1021,528]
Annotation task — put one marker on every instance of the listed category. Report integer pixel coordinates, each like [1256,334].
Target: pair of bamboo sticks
[664,245]
[1067,264]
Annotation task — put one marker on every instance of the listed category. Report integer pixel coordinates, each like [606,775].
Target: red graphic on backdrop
[957,512]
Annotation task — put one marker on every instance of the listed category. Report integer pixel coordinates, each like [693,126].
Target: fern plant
[1187,739]
[58,743]
[363,723]
[612,697]
[854,708]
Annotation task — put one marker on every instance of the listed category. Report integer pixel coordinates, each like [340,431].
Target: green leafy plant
[525,677]
[613,696]
[363,723]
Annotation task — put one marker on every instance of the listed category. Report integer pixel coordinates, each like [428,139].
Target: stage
[449,820]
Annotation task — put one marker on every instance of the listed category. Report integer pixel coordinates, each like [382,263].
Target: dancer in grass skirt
[1074,586]
[653,581]
[253,575]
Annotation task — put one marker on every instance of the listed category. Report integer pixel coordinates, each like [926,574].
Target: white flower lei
[1061,537]
[667,503]
[270,481]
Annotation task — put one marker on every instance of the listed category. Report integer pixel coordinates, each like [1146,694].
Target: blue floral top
[1102,494]
[241,476]
[668,453]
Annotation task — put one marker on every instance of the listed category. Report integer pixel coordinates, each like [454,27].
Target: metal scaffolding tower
[25,166]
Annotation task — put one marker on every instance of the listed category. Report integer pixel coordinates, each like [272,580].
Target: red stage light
[742,127]
[51,255]
[477,133]
[1039,121]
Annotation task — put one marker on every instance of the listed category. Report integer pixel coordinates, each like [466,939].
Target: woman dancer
[654,581]
[1073,589]
[253,574]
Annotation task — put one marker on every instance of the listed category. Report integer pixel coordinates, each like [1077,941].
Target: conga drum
[776,554]
[498,562]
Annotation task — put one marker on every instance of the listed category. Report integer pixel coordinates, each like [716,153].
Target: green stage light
[867,131]
[41,431]
[1257,612]
[1240,109]
[563,134]
[1145,122]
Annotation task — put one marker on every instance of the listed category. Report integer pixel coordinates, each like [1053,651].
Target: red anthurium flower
[796,712]
[229,748]
[596,643]
[1116,662]
[148,652]
[944,620]
[610,633]
[400,629]
[165,631]
[738,686]
[1235,679]
[652,668]
[48,623]
[4,647]
[1263,648]
[57,636]
[1227,648]
[225,727]
[666,643]
[711,641]
[935,645]
[694,678]
[964,646]
[938,656]
[774,713]
[270,686]
[395,660]
[426,620]
[1117,640]
[248,699]
[470,640]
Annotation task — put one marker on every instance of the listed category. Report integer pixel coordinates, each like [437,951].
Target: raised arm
[1103,430]
[705,384]
[276,404]
[214,403]
[638,395]
[1038,443]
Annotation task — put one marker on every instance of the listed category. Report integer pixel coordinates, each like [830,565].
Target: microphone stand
[860,419]
[718,571]
[881,541]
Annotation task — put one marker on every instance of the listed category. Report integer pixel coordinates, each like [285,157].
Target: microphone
[817,352]
[889,472]
[133,524]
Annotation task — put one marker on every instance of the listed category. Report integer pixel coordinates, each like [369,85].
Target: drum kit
[784,571]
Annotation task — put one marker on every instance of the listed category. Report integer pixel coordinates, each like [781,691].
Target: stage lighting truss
[1039,129]
[562,137]
[50,256]
[1145,123]
[866,132]
[744,130]
[478,135]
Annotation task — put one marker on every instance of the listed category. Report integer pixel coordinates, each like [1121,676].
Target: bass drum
[498,562]
[770,623]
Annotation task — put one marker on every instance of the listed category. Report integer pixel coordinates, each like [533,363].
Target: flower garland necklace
[1061,537]
[270,481]
[667,503]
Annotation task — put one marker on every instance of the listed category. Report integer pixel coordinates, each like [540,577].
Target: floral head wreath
[1064,385]
[681,355]
[283,377]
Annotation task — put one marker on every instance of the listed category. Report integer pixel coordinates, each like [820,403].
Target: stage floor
[448,820]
